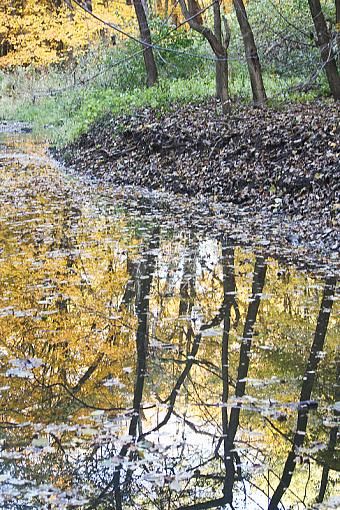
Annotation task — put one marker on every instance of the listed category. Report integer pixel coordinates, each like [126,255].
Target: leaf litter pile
[276,163]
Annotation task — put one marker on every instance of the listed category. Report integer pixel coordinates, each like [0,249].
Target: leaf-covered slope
[287,158]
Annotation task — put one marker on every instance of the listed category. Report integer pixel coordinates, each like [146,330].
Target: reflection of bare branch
[59,443]
[229,288]
[192,426]
[82,402]
[202,363]
[88,374]
[210,419]
[291,441]
[188,366]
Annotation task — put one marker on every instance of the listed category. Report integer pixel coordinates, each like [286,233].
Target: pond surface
[149,365]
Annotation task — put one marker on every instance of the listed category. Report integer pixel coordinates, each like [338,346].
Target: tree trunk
[337,28]
[324,43]
[221,65]
[149,59]
[195,10]
[166,8]
[215,39]
[253,61]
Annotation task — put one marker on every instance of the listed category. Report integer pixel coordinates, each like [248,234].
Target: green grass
[30,95]
[65,116]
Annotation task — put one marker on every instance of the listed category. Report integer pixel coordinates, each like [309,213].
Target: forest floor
[266,161]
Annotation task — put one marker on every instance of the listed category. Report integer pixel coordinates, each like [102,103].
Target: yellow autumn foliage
[50,31]
[39,33]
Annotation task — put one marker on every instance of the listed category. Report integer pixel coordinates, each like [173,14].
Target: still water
[149,361]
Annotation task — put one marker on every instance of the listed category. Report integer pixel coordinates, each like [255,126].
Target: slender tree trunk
[221,65]
[253,61]
[337,28]
[149,59]
[324,43]
[191,12]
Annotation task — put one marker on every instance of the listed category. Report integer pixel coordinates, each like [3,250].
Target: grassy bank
[63,115]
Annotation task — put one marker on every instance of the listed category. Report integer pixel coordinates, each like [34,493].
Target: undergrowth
[62,117]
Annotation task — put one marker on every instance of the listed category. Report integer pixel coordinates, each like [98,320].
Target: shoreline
[268,164]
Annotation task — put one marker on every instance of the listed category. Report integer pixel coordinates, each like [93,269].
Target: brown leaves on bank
[280,161]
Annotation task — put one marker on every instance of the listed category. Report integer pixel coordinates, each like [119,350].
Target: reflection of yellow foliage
[68,342]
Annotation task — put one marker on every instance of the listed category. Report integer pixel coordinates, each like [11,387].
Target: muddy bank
[267,162]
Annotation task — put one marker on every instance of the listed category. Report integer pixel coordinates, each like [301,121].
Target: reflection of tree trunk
[332,437]
[187,287]
[229,288]
[142,345]
[142,337]
[306,390]
[325,471]
[171,400]
[130,288]
[187,291]
[257,288]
